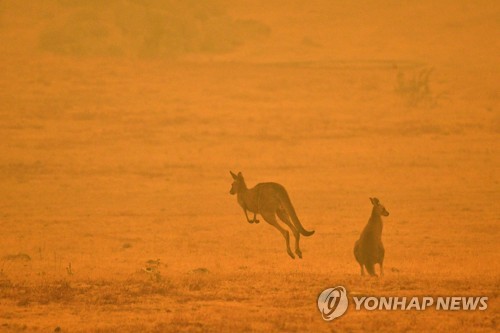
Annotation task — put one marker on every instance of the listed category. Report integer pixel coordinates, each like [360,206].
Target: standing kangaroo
[369,249]
[269,200]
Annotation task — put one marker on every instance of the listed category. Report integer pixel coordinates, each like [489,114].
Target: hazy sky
[445,31]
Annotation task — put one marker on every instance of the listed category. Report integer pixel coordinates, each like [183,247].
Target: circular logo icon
[332,303]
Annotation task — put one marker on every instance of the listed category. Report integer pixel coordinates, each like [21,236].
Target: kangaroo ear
[233,174]
[374,201]
[240,174]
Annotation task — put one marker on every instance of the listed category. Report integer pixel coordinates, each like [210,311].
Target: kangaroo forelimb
[254,217]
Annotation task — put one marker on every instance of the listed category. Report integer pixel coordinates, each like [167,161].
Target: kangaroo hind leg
[282,214]
[270,218]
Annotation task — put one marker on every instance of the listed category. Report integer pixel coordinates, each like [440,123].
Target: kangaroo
[269,200]
[369,249]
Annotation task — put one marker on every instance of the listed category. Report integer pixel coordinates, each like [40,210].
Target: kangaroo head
[238,183]
[378,208]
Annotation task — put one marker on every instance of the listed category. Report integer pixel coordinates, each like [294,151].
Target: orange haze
[120,121]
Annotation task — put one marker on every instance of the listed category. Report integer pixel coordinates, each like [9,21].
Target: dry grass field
[115,212]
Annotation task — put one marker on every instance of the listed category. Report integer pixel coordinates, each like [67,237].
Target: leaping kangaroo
[269,200]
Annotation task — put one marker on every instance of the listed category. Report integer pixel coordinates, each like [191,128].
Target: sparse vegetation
[414,86]
[238,302]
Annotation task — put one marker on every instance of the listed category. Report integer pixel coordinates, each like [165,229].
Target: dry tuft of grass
[414,87]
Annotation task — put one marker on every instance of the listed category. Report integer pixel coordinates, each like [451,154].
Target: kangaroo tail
[287,204]
[370,268]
